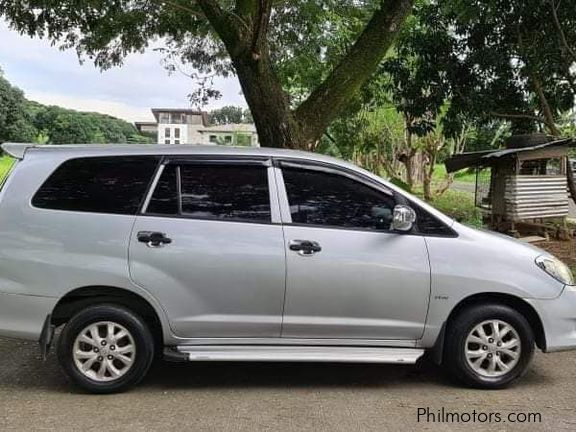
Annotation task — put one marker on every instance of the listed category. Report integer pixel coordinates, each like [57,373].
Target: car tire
[105,348]
[488,346]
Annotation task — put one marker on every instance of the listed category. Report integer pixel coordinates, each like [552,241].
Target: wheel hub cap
[493,348]
[104,351]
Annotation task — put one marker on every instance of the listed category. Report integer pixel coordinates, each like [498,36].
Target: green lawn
[461,176]
[458,205]
[5,164]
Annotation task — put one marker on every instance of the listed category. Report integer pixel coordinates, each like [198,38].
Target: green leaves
[230,115]
[15,121]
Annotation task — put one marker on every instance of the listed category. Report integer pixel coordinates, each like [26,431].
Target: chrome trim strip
[296,341]
[302,354]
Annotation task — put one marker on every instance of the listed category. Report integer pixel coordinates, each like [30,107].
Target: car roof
[20,150]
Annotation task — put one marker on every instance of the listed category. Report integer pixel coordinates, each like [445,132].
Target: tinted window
[320,198]
[100,185]
[429,225]
[165,197]
[226,192]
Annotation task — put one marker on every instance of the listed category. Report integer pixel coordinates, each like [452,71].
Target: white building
[186,126]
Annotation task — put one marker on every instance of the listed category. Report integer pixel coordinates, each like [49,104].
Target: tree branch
[519,116]
[178,6]
[226,27]
[261,21]
[560,31]
[354,69]
[549,120]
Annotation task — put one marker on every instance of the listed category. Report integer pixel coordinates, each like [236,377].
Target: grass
[464,176]
[458,205]
[5,164]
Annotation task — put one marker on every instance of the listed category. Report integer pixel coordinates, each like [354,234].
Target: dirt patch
[564,250]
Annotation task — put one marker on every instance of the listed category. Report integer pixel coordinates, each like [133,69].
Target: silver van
[208,253]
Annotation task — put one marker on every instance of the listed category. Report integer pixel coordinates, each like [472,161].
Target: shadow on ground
[22,367]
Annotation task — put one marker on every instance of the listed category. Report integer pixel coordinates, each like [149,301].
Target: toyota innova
[212,253]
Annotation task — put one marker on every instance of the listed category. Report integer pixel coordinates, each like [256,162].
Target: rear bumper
[559,320]
[23,316]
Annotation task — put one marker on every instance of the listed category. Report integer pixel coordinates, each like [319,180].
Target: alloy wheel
[493,348]
[104,351]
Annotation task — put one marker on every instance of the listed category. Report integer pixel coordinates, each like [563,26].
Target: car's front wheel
[106,349]
[489,346]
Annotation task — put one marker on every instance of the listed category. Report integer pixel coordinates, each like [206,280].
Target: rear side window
[98,184]
[207,191]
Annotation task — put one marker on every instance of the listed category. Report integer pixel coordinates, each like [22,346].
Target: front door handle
[153,239]
[305,247]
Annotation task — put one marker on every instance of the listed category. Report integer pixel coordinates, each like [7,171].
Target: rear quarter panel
[45,254]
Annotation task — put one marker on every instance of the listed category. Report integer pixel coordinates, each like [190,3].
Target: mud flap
[46,336]
[436,354]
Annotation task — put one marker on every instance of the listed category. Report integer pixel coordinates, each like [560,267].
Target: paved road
[470,187]
[276,397]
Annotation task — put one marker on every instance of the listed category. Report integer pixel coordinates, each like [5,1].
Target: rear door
[209,246]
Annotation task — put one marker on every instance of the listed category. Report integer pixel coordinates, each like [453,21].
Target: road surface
[278,397]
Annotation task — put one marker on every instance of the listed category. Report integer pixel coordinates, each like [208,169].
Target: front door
[207,248]
[348,275]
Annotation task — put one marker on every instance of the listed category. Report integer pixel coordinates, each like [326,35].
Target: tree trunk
[546,110]
[408,157]
[275,122]
[245,35]
[432,153]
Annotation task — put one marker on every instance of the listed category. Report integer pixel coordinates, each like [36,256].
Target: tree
[419,78]
[64,126]
[519,57]
[230,115]
[252,38]
[15,122]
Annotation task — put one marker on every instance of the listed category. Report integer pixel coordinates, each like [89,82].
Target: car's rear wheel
[106,349]
[489,346]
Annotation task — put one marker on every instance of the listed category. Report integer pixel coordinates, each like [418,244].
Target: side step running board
[343,354]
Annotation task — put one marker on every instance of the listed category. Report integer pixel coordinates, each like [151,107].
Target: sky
[53,77]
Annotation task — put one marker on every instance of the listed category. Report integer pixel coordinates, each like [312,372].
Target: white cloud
[49,75]
[116,109]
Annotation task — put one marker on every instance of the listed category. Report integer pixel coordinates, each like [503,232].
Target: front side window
[206,191]
[328,199]
[98,184]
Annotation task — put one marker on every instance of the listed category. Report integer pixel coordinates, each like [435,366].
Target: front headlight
[555,268]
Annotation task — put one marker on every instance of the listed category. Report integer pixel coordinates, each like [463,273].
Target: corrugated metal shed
[536,197]
[487,157]
[527,180]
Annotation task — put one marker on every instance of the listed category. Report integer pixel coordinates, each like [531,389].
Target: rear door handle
[305,247]
[153,239]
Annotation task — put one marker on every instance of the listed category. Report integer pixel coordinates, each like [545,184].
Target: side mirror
[403,219]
